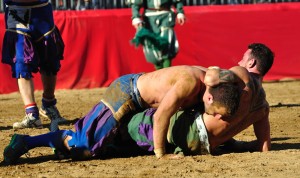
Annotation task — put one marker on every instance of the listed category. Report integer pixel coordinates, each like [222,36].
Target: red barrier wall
[98,49]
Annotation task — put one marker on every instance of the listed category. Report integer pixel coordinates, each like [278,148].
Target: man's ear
[251,63]
[218,116]
[210,98]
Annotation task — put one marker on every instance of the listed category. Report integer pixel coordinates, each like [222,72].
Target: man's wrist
[180,16]
[159,152]
[136,21]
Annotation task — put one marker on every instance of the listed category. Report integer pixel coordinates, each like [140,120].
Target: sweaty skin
[168,90]
[253,109]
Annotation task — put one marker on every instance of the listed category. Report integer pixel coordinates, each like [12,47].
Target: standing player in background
[32,43]
[155,29]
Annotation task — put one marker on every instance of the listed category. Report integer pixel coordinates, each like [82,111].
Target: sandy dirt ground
[282,161]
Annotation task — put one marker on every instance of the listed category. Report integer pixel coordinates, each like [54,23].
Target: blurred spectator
[155,29]
[117,4]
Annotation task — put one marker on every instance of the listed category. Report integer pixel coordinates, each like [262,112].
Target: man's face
[245,59]
[210,107]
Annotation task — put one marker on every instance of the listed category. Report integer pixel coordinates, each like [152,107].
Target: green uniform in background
[157,35]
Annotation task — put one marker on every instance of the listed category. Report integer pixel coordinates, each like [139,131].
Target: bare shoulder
[183,72]
[192,75]
[187,78]
[170,75]
[179,75]
[241,72]
[238,69]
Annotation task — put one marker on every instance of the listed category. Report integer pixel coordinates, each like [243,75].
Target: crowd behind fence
[116,4]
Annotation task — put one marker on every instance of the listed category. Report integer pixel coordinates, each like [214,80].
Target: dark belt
[136,93]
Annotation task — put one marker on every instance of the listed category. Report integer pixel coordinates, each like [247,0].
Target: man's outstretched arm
[171,102]
[262,131]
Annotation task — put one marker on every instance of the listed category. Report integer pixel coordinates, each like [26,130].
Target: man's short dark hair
[226,95]
[263,56]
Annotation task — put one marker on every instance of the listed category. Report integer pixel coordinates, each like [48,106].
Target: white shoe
[28,122]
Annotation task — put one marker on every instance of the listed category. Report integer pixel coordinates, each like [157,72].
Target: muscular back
[182,83]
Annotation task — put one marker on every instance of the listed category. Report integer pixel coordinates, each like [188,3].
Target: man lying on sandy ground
[87,142]
[253,109]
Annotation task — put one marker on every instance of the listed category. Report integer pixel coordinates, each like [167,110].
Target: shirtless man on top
[253,110]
